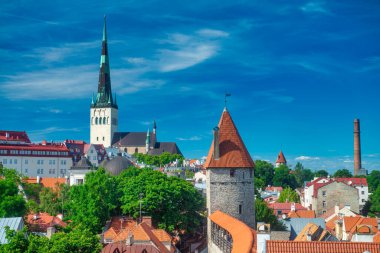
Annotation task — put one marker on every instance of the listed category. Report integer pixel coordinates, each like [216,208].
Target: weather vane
[225,98]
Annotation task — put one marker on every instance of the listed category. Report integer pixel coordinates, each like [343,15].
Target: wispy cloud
[315,7]
[192,138]
[38,135]
[275,95]
[307,158]
[188,50]
[370,64]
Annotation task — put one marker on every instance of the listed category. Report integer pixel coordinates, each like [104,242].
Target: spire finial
[225,100]
[105,28]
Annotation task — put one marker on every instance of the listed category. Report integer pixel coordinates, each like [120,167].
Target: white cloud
[135,60]
[38,135]
[306,158]
[315,7]
[189,50]
[192,138]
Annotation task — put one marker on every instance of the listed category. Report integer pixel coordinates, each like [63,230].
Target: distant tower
[280,159]
[357,148]
[229,172]
[147,142]
[154,137]
[103,112]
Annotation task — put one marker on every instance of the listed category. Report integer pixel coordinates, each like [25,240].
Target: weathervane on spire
[225,98]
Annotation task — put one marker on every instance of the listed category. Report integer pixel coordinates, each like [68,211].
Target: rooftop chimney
[216,143]
[357,149]
[38,179]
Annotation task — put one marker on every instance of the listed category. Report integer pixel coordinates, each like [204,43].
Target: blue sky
[298,72]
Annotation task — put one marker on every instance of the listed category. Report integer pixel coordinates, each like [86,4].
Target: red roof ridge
[233,153]
[281,158]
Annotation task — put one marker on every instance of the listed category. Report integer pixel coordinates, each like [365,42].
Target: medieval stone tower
[103,111]
[229,172]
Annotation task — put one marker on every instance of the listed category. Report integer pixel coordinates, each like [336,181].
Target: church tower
[229,172]
[103,111]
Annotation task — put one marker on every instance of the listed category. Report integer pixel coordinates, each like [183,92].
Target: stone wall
[333,194]
[233,195]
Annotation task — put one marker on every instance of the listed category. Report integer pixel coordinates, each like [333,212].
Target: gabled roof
[50,182]
[281,158]
[286,206]
[43,221]
[302,214]
[14,136]
[161,147]
[130,139]
[233,153]
[316,232]
[351,224]
[319,247]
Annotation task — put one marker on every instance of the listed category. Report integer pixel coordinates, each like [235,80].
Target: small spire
[225,100]
[147,137]
[105,29]
[154,124]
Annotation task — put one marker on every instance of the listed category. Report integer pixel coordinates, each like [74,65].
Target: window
[362,192]
[324,211]
[4,161]
[240,209]
[279,212]
[91,151]
[96,120]
[103,138]
[40,171]
[26,171]
[51,171]
[104,120]
[15,161]
[324,203]
[324,193]
[363,200]
[63,171]
[250,173]
[97,138]
[10,161]
[79,181]
[232,172]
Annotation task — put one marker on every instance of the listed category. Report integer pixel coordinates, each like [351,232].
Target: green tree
[259,184]
[343,173]
[173,203]
[289,195]
[375,202]
[50,201]
[93,202]
[373,180]
[282,177]
[12,204]
[265,171]
[301,174]
[321,173]
[265,214]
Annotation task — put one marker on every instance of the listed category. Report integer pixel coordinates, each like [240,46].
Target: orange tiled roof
[233,153]
[281,158]
[44,221]
[321,247]
[316,232]
[376,238]
[162,235]
[50,182]
[351,223]
[302,214]
[242,235]
[330,225]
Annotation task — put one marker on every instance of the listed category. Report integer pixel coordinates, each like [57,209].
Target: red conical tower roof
[281,158]
[232,151]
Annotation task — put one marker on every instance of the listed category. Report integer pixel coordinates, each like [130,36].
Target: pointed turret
[147,141]
[280,159]
[104,96]
[154,127]
[230,151]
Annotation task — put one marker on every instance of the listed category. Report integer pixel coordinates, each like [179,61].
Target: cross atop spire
[104,96]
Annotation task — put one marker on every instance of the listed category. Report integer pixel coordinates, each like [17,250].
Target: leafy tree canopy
[158,160]
[172,202]
[321,173]
[375,202]
[265,214]
[282,177]
[373,180]
[289,195]
[343,173]
[12,203]
[265,171]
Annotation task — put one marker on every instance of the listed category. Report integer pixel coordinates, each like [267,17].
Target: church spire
[104,96]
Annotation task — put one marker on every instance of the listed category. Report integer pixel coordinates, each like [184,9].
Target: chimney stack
[216,143]
[357,149]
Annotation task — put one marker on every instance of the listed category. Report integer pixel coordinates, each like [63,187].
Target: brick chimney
[357,149]
[216,143]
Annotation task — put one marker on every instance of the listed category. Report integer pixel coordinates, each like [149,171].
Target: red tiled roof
[353,181]
[285,207]
[44,221]
[242,235]
[274,188]
[281,158]
[321,247]
[351,224]
[117,247]
[233,153]
[19,136]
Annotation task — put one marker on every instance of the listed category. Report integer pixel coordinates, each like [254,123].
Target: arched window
[96,120]
[136,150]
[116,250]
[92,120]
[104,120]
[144,251]
[108,120]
